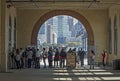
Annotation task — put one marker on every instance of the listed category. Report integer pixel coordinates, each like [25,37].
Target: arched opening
[62,31]
[74,14]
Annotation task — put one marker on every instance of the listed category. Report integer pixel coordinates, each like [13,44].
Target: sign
[71,60]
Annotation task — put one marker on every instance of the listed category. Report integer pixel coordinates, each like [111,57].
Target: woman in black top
[56,58]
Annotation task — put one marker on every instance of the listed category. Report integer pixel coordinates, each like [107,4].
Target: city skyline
[66,29]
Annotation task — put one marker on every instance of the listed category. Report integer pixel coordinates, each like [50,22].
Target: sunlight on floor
[89,78]
[60,73]
[80,78]
[103,73]
[60,70]
[79,70]
[65,79]
[84,72]
[111,78]
[97,70]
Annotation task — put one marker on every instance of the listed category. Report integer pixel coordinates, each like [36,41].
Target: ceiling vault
[62,4]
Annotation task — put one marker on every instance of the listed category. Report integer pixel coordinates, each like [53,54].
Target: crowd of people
[31,58]
[55,57]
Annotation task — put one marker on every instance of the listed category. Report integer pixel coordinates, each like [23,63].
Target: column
[3,62]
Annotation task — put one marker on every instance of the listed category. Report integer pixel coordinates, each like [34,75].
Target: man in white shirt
[30,54]
[37,63]
[44,55]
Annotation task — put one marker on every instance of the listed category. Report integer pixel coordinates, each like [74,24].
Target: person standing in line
[12,54]
[37,63]
[77,61]
[50,57]
[104,58]
[92,59]
[62,58]
[34,50]
[81,54]
[22,57]
[44,55]
[56,58]
[30,55]
[25,57]
[18,58]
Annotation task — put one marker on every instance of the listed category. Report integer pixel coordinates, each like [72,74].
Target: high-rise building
[54,38]
[55,24]
[70,22]
[42,29]
[49,34]
[50,21]
[65,28]
[66,32]
[61,27]
[42,34]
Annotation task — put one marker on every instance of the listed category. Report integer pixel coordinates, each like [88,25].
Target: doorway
[63,31]
[78,16]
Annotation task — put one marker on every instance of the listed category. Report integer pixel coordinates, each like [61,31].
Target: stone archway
[72,13]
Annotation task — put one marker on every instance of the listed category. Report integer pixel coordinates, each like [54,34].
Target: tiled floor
[62,74]
[52,74]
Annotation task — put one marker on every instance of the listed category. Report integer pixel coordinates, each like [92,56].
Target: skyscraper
[66,31]
[55,24]
[64,27]
[70,22]
[42,34]
[60,26]
[42,29]
[49,34]
[54,38]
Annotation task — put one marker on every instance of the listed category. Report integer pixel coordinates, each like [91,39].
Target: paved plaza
[62,74]
[57,74]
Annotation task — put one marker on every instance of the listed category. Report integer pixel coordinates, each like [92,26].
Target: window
[10,33]
[14,32]
[110,37]
[10,28]
[115,35]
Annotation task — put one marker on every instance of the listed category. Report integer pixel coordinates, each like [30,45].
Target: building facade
[102,23]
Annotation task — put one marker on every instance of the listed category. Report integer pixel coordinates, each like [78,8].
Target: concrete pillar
[3,62]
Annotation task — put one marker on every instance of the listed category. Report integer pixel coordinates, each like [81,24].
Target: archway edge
[72,13]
